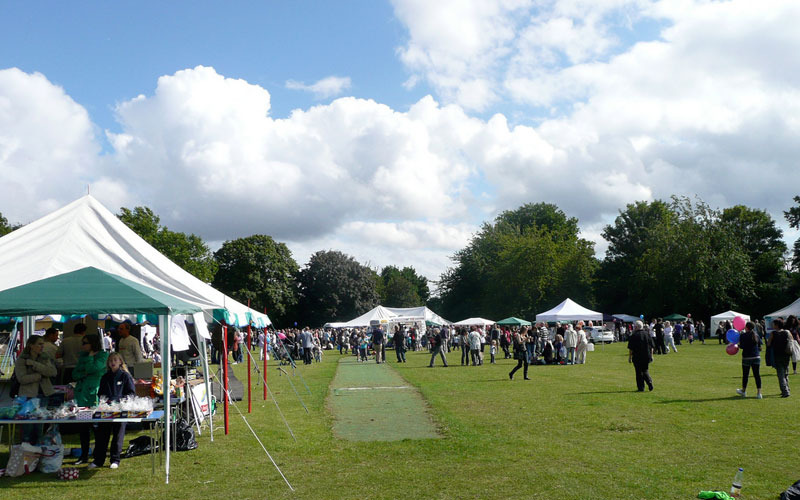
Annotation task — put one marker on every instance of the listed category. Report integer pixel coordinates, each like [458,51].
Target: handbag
[789,342]
[795,348]
[23,459]
[52,451]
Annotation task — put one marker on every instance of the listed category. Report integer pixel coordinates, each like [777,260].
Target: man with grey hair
[640,353]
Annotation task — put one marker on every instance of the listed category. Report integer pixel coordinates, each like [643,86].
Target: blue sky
[107,52]
[391,129]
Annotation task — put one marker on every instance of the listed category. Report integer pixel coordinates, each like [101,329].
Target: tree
[793,217]
[403,288]
[260,270]
[334,287]
[5,227]
[528,260]
[684,261]
[187,250]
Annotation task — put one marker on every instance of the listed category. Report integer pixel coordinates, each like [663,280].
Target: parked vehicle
[599,334]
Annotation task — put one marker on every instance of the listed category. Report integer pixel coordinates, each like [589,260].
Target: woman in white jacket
[570,342]
[669,339]
[581,344]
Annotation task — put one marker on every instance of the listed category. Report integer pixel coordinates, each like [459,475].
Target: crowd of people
[541,344]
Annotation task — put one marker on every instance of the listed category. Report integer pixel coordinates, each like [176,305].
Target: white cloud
[706,105]
[47,146]
[327,87]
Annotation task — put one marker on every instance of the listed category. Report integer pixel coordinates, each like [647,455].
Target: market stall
[92,291]
[569,311]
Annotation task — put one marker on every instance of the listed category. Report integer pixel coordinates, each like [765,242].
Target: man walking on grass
[640,353]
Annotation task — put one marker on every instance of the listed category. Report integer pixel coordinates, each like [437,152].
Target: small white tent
[417,314]
[793,308]
[474,322]
[379,313]
[722,318]
[569,311]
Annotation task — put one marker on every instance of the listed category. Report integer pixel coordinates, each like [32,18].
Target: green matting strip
[372,402]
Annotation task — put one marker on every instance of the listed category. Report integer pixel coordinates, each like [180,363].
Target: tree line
[663,256]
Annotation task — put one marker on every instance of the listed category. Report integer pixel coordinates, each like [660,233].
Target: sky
[390,130]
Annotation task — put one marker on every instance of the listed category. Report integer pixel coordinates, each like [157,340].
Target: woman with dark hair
[750,345]
[87,373]
[520,354]
[778,341]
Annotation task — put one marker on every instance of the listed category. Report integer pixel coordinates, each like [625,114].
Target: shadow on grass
[622,391]
[701,400]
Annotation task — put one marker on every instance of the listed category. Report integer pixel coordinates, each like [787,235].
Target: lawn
[572,432]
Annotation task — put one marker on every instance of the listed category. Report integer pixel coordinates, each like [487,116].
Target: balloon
[732,336]
[641,316]
[738,323]
[732,349]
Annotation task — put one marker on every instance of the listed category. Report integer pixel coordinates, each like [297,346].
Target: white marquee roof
[85,233]
[569,311]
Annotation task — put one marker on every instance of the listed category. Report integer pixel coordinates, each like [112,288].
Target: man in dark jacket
[437,341]
[640,353]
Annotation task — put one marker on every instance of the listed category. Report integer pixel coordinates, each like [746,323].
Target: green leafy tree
[187,250]
[5,227]
[403,288]
[690,263]
[335,287]
[260,270]
[529,259]
[793,217]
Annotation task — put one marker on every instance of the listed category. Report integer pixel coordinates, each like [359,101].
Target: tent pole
[163,324]
[249,344]
[207,382]
[225,374]
[266,340]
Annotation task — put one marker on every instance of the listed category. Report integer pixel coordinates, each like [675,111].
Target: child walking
[493,350]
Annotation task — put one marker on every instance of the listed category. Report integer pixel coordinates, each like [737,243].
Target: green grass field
[572,432]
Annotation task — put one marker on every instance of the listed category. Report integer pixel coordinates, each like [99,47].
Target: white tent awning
[474,322]
[85,233]
[569,311]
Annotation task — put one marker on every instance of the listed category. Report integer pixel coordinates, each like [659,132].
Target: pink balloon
[738,323]
[732,349]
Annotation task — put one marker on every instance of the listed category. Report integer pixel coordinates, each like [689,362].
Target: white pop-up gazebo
[474,322]
[723,317]
[569,311]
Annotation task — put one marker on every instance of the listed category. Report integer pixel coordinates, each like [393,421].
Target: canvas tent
[379,313]
[514,322]
[723,317]
[793,308]
[676,317]
[85,233]
[417,314]
[569,311]
[626,318]
[386,315]
[91,291]
[474,322]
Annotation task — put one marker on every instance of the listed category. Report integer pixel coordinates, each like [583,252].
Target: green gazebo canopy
[88,291]
[514,322]
[675,317]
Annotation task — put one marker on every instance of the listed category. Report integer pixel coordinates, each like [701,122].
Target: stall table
[155,432]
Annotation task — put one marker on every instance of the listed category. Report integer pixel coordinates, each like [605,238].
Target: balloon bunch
[733,335]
